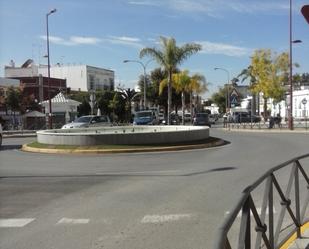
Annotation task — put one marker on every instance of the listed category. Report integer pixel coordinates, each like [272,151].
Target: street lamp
[144,68]
[290,113]
[50,122]
[228,82]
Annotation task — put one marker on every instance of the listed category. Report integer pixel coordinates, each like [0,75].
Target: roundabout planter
[124,135]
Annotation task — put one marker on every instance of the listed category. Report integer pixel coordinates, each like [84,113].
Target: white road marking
[15,222]
[259,211]
[165,218]
[73,221]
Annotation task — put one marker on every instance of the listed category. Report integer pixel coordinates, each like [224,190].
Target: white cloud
[224,49]
[125,40]
[84,40]
[145,3]
[57,40]
[216,8]
[72,41]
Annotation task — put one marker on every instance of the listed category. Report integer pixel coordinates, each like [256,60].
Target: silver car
[88,121]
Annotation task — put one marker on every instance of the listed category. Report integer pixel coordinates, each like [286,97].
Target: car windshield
[143,114]
[82,120]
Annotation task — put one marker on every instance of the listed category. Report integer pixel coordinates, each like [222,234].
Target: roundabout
[123,135]
[123,139]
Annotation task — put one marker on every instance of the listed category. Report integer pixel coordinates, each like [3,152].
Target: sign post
[234,97]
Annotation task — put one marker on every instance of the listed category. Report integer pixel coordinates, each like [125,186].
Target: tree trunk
[265,108]
[191,105]
[183,107]
[253,104]
[169,96]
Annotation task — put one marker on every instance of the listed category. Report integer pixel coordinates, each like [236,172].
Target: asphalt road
[145,200]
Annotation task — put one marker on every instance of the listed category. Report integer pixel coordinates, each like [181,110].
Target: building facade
[78,77]
[82,77]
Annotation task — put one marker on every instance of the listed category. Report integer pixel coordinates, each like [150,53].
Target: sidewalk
[301,243]
[19,133]
[263,127]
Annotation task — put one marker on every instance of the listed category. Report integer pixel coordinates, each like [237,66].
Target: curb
[18,135]
[265,130]
[27,148]
[293,238]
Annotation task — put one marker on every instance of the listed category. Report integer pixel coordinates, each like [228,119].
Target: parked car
[213,118]
[161,117]
[146,118]
[201,119]
[187,117]
[1,133]
[245,117]
[88,121]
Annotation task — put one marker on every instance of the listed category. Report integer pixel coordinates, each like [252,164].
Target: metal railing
[261,227]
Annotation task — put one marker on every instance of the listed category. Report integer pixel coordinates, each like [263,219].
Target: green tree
[269,70]
[128,95]
[246,74]
[103,99]
[13,99]
[169,56]
[83,97]
[219,98]
[181,82]
[197,86]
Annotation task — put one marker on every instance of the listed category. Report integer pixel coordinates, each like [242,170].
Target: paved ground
[302,243]
[148,200]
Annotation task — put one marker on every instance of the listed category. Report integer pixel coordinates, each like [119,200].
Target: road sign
[234,97]
[234,93]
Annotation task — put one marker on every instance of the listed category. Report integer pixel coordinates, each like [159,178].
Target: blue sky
[103,33]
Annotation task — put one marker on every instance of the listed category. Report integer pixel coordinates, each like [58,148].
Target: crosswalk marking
[165,218]
[15,222]
[72,221]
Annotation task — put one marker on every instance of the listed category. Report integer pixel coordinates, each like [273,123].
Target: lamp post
[228,82]
[50,122]
[145,80]
[290,113]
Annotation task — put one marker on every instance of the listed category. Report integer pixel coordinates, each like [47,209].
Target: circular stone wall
[123,135]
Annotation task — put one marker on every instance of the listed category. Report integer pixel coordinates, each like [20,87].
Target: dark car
[245,117]
[146,118]
[201,119]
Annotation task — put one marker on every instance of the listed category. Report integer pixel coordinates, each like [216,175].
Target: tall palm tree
[247,74]
[128,95]
[181,83]
[169,56]
[197,86]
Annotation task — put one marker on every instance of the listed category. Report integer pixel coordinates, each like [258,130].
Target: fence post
[297,204]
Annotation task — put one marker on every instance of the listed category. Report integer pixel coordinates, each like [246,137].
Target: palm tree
[247,74]
[128,95]
[198,86]
[169,56]
[181,83]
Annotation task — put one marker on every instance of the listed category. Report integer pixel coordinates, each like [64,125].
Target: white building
[300,104]
[78,77]
[82,77]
